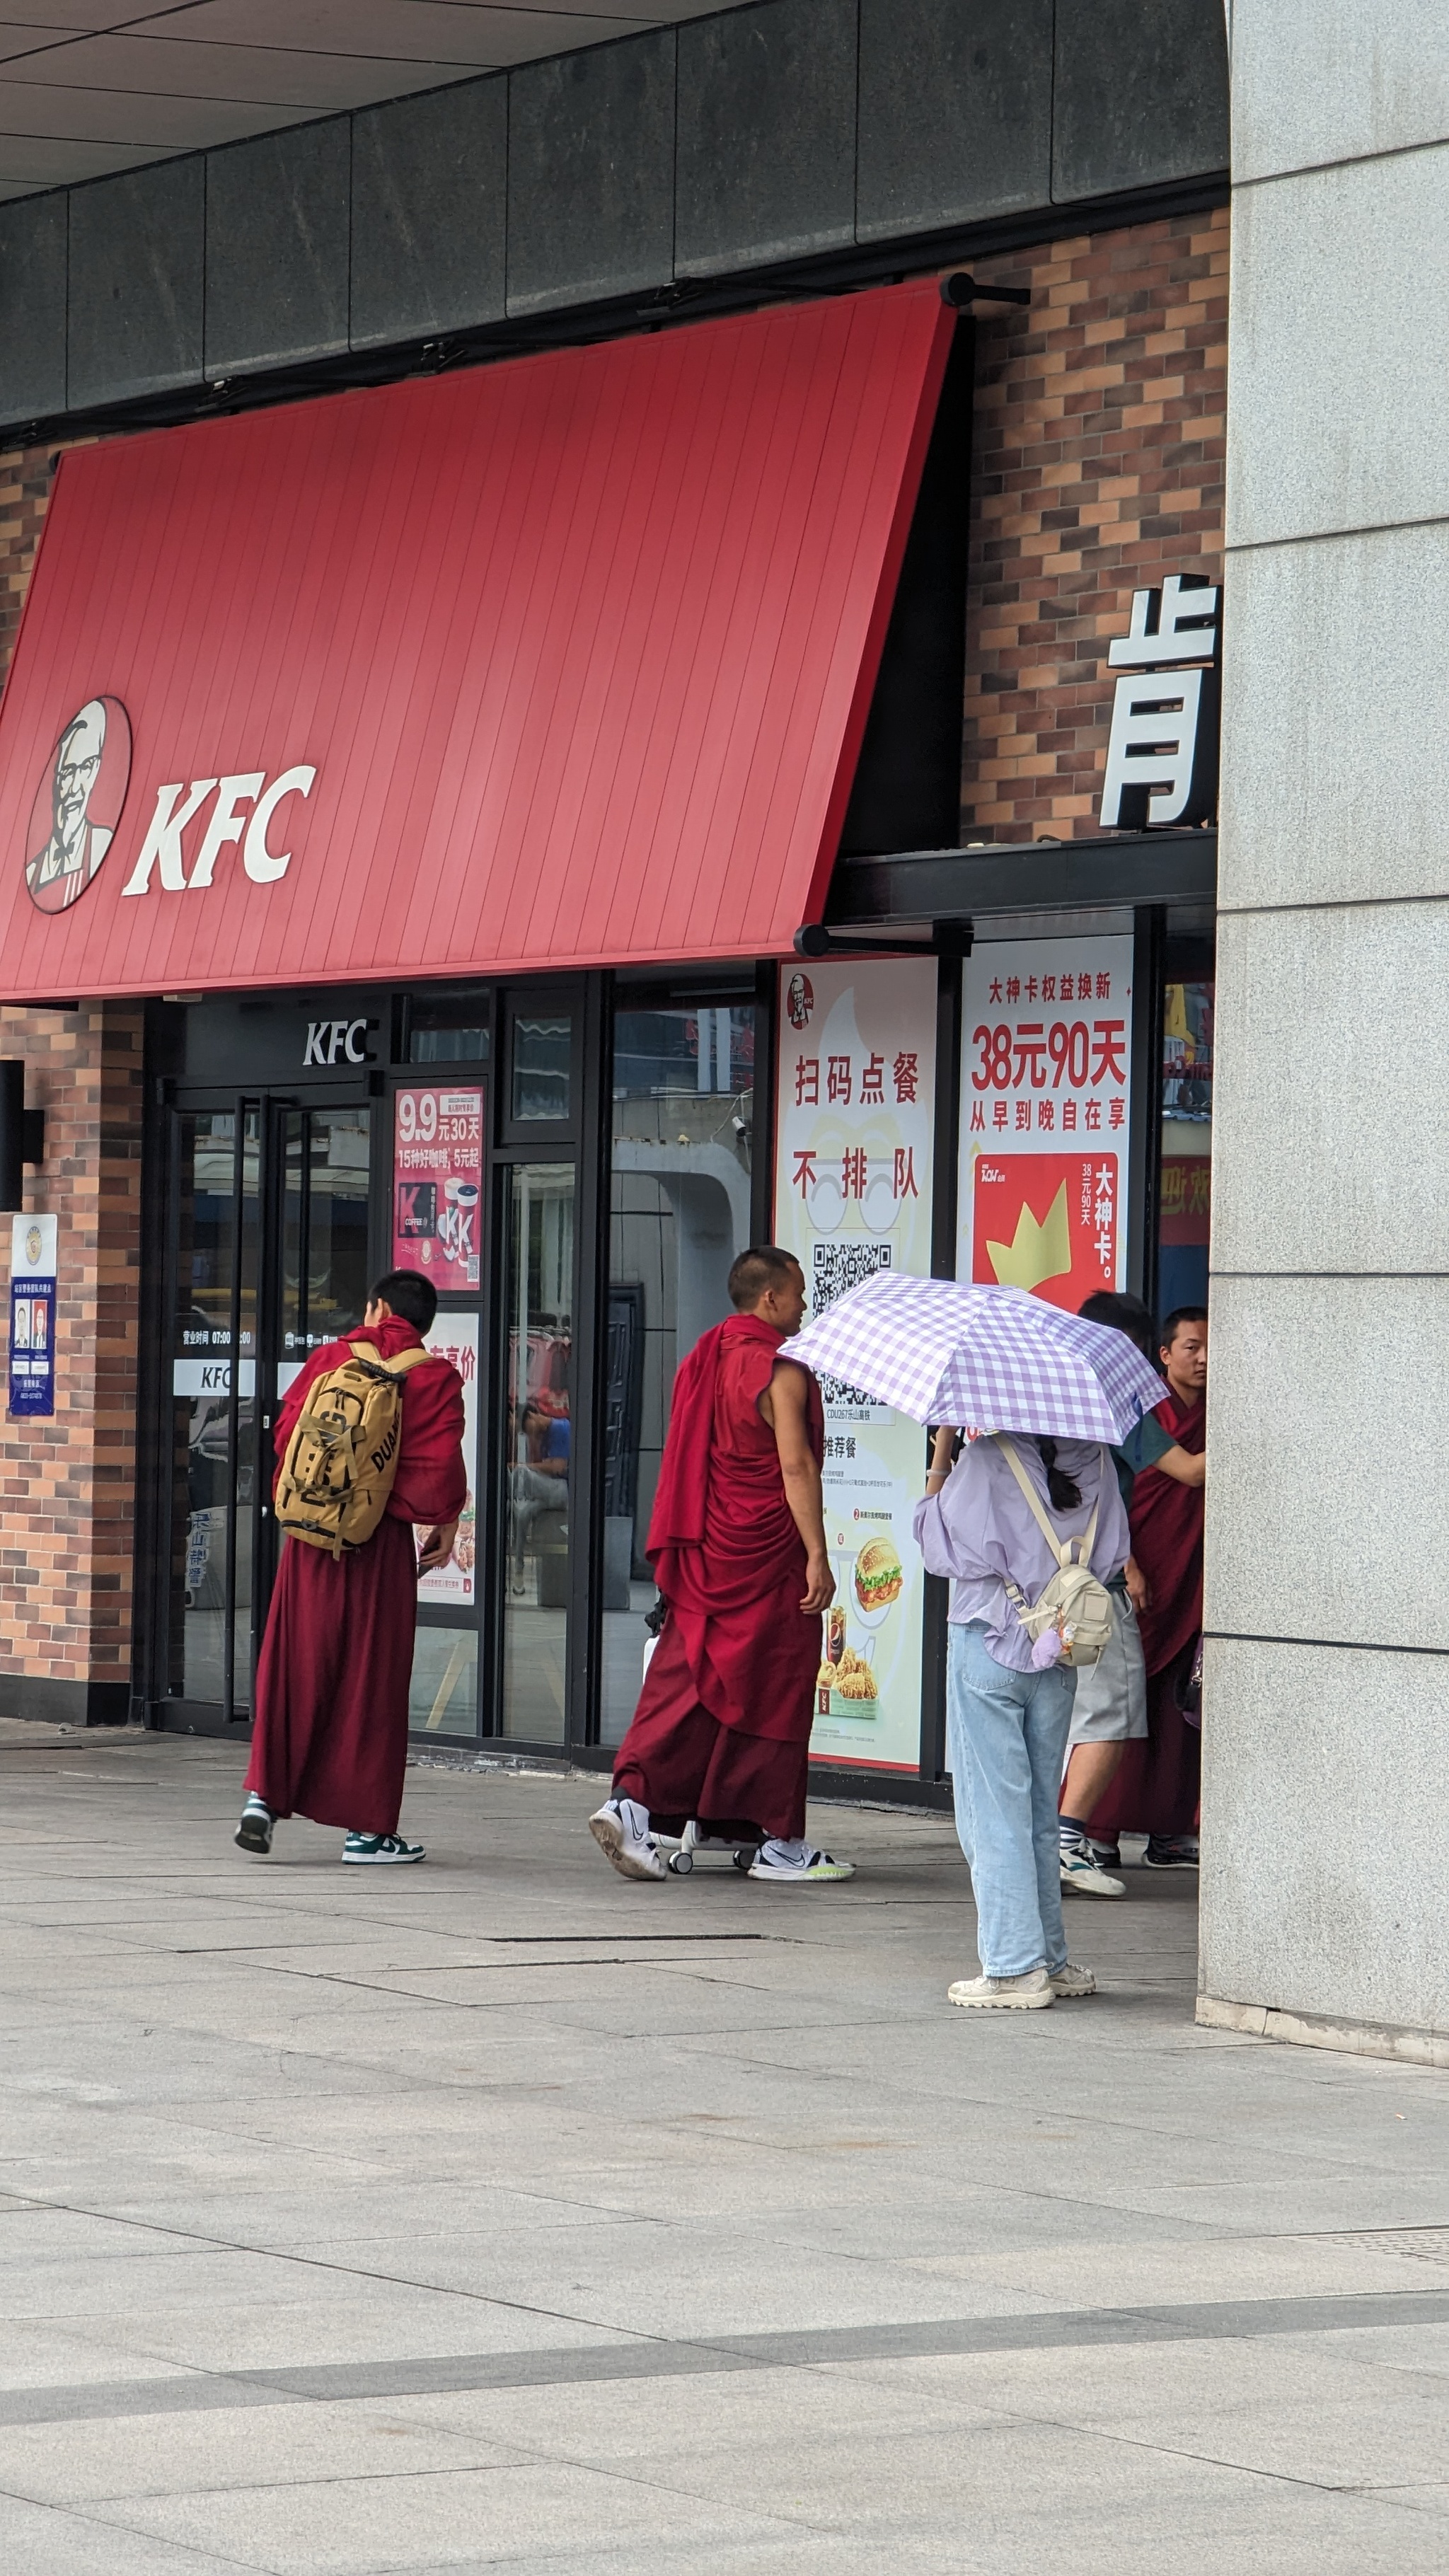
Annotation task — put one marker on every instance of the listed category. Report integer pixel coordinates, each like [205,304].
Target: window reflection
[680,1198]
[536,1533]
[1187,1140]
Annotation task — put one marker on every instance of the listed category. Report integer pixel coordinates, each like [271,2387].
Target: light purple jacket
[980,1531]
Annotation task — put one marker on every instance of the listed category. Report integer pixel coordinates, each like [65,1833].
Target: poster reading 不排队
[852,1195]
[1046,1112]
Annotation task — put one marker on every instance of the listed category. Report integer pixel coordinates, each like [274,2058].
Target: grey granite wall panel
[766,166]
[1140,94]
[591,174]
[955,112]
[32,306]
[429,213]
[277,224]
[137,249]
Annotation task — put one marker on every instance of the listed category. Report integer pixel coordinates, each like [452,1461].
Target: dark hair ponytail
[1063,1495]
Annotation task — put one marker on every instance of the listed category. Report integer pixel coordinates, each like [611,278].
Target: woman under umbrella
[1053,1391]
[1009,1698]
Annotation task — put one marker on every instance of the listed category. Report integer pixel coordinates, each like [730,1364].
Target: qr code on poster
[837,1267]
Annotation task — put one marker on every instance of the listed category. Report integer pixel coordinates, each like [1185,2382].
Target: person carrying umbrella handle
[1008,1697]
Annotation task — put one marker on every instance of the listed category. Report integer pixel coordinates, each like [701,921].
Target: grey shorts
[1111,1702]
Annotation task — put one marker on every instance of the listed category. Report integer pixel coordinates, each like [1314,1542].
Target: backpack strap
[399,1367]
[1061,1548]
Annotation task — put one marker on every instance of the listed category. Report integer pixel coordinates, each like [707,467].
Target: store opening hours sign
[853,1195]
[1046,1106]
[437,1190]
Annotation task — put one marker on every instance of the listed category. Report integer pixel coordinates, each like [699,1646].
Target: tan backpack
[342,1456]
[1072,1601]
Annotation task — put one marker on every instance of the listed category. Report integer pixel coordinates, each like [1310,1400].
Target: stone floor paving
[498,2214]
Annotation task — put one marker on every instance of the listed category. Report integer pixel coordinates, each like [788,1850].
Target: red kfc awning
[554,663]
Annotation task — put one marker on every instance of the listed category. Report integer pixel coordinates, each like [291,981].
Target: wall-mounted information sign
[33,1244]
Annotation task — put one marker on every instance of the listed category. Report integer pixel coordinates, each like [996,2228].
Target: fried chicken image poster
[1046,1112]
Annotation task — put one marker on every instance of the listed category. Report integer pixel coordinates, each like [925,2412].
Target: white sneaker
[1034,1992]
[1083,1876]
[621,1830]
[1069,1980]
[798,1864]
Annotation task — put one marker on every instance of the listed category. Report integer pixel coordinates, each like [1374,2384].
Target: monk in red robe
[1158,1787]
[331,1734]
[721,1736]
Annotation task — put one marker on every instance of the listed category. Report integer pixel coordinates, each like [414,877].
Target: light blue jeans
[1007,1737]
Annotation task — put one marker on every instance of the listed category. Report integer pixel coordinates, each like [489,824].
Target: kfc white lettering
[262,865]
[163,839]
[225,823]
[228,822]
[326,1037]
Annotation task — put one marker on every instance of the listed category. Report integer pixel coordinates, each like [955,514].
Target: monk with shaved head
[721,1737]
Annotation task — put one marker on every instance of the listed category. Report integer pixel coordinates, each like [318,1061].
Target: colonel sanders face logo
[78,804]
[799,1001]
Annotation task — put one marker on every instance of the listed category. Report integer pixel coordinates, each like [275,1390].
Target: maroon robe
[331,1734]
[722,1729]
[1157,1788]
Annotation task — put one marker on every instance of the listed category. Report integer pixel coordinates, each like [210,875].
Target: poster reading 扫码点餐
[856,1126]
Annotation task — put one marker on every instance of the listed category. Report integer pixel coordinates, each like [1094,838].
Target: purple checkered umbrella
[992,1359]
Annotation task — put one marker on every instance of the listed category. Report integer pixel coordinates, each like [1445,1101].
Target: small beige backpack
[1073,1601]
[342,1457]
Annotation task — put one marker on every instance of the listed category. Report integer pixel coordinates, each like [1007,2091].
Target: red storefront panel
[558,662]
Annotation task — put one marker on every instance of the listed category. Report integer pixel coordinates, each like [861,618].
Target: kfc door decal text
[1045,1116]
[437,1183]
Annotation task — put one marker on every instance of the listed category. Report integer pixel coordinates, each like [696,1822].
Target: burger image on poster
[879,1578]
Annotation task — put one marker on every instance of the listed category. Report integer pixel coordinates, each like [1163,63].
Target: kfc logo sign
[245,810]
[78,804]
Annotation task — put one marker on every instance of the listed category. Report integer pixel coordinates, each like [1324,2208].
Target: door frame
[171,1101]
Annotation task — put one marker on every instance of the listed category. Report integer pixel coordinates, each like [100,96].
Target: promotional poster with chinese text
[438,1182]
[1046,1040]
[853,1195]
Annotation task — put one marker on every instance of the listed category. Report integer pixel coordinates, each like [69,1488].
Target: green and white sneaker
[254,1833]
[370,1850]
[798,1864]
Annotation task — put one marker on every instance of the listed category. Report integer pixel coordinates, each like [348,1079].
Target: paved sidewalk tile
[503,2215]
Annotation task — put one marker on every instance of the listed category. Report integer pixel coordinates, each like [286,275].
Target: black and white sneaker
[254,1833]
[1105,1855]
[1171,1851]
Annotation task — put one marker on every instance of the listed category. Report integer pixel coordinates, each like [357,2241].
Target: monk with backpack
[369,1442]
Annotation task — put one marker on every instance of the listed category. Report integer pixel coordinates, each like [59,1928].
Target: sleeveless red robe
[722,1729]
[331,1734]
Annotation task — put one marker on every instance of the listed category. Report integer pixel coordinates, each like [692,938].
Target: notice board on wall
[855,1137]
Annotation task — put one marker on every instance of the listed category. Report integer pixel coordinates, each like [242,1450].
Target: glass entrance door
[271,1203]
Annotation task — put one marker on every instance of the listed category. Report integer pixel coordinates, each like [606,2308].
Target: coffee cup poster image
[437,1183]
[1046,1113]
[852,1196]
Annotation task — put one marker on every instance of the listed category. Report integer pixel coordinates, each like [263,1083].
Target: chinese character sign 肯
[1045,1116]
[438,1183]
[852,1196]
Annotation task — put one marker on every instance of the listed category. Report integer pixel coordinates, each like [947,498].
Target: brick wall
[1097,468]
[67,1485]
